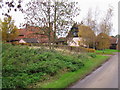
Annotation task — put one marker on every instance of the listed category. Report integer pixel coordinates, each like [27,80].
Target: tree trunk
[49,36]
[54,38]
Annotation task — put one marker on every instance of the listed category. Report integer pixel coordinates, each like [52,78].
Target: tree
[103,41]
[8,29]
[58,13]
[117,36]
[106,24]
[6,6]
[91,20]
[0,30]
[87,35]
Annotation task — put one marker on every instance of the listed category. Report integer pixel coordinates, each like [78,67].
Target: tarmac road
[104,77]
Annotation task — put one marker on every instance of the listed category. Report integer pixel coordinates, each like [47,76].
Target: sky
[85,5]
[101,6]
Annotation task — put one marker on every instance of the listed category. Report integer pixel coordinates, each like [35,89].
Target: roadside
[104,77]
[66,79]
[62,80]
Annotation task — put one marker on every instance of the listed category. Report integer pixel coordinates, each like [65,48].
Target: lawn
[107,51]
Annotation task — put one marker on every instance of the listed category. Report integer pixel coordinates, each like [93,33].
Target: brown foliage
[8,30]
[87,34]
[17,43]
[103,41]
[89,50]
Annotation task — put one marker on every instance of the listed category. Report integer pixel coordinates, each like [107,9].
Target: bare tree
[58,13]
[106,24]
[6,6]
[96,21]
[64,12]
[91,20]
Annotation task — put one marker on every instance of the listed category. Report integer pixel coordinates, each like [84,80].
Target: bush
[83,56]
[28,44]
[15,43]
[90,50]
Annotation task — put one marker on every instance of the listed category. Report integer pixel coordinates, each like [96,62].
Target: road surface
[104,77]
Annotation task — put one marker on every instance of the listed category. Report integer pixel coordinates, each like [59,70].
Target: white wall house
[22,41]
[75,41]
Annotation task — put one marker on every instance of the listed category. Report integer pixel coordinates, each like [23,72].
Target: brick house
[33,32]
[118,44]
[113,43]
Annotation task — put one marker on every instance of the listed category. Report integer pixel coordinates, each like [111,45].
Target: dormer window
[75,34]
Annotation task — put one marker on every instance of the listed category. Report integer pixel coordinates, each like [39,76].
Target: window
[75,34]
[21,35]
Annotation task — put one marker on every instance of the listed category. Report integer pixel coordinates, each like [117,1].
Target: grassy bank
[66,79]
[24,67]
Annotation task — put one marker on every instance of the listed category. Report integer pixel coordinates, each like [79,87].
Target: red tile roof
[33,32]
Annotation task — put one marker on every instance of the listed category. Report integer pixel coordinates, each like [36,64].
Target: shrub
[15,43]
[103,41]
[90,50]
[28,44]
[83,56]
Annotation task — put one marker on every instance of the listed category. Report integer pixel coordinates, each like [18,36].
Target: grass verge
[107,51]
[68,78]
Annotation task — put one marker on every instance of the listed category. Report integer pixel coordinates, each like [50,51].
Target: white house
[75,41]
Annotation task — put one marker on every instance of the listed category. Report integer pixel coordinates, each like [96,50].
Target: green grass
[107,51]
[66,79]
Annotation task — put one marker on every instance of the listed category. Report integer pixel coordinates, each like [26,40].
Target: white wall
[74,41]
[22,41]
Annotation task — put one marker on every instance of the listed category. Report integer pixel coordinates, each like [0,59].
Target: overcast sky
[85,5]
[102,6]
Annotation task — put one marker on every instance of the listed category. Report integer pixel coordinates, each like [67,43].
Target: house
[118,44]
[29,40]
[114,42]
[72,38]
[34,32]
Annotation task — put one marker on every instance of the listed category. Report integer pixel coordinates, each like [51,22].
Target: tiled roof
[33,32]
